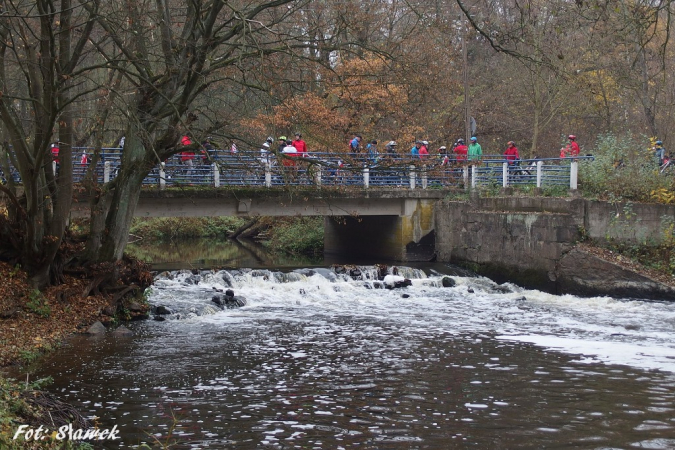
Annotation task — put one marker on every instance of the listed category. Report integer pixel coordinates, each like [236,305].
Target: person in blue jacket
[415,150]
[355,144]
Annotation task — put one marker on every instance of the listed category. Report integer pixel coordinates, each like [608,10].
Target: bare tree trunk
[124,198]
[650,116]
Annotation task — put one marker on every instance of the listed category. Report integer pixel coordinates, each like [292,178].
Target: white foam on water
[636,333]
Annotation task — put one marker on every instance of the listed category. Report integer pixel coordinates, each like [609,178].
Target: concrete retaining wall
[523,239]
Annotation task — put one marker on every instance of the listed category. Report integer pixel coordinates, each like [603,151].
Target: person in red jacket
[300,145]
[572,149]
[187,156]
[511,153]
[461,150]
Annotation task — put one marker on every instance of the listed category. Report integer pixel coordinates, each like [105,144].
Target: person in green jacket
[475,150]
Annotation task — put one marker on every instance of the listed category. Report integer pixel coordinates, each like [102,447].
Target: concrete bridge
[394,224]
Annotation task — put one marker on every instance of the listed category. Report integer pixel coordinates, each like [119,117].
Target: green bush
[185,227]
[297,235]
[624,168]
[37,304]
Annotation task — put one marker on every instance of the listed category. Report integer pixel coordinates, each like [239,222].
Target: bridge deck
[273,202]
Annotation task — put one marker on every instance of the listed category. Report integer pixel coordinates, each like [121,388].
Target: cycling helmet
[460,141]
[659,143]
[443,147]
[298,134]
[270,139]
[511,143]
[392,144]
[282,138]
[571,137]
[425,142]
[473,139]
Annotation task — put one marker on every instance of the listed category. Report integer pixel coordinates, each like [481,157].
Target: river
[325,361]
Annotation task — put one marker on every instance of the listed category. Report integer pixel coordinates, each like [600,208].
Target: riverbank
[31,325]
[35,322]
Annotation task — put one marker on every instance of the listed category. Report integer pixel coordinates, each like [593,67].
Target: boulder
[448,282]
[217,299]
[95,329]
[162,310]
[137,307]
[122,331]
[396,281]
[193,279]
[229,301]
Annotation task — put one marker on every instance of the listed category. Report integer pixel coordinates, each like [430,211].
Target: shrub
[624,168]
[298,235]
[37,304]
[185,227]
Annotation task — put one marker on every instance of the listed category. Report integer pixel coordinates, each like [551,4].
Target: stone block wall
[524,239]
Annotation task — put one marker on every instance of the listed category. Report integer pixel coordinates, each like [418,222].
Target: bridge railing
[250,168]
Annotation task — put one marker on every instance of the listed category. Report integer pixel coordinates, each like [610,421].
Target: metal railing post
[268,174]
[424,177]
[574,174]
[162,176]
[465,176]
[106,171]
[366,177]
[474,176]
[412,177]
[540,166]
[216,175]
[505,175]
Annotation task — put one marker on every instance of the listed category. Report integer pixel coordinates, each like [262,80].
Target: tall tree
[174,52]
[42,43]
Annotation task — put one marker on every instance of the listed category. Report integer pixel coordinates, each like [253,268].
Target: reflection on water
[323,361]
[360,383]
[205,253]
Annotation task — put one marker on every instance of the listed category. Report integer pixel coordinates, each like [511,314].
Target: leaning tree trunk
[125,196]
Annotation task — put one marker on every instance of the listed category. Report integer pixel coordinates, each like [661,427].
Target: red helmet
[571,137]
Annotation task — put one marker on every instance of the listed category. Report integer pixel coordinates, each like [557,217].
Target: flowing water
[325,361]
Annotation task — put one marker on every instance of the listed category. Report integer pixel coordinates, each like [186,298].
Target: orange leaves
[359,95]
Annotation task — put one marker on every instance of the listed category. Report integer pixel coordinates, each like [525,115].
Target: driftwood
[236,233]
[49,411]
